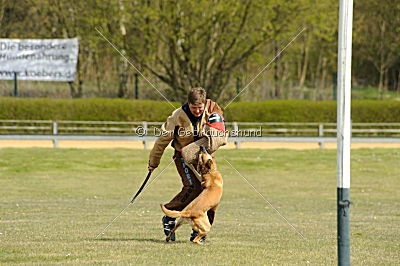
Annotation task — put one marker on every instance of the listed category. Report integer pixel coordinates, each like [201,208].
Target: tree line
[221,45]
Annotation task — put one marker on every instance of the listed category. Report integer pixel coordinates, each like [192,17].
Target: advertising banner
[32,59]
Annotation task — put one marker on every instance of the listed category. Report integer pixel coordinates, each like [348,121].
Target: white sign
[49,59]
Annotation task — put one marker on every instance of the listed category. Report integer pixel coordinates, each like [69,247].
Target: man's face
[196,109]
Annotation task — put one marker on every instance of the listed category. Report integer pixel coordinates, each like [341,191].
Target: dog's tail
[175,214]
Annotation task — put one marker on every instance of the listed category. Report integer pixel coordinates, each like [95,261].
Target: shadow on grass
[162,241]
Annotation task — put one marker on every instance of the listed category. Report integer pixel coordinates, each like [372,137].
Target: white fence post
[321,134]
[145,142]
[236,134]
[55,133]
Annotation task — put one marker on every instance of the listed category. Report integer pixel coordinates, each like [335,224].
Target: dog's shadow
[160,241]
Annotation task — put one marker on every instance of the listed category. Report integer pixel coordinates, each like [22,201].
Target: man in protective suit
[199,122]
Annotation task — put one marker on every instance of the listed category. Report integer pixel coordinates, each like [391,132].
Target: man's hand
[151,168]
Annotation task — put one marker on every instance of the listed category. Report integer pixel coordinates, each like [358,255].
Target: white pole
[344,129]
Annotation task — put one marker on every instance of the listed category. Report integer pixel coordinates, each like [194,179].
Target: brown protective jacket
[179,128]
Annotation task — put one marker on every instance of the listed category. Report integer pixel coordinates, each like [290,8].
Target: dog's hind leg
[177,225]
[203,226]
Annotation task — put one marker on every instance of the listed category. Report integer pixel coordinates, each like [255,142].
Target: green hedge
[282,111]
[143,110]
[363,111]
[84,109]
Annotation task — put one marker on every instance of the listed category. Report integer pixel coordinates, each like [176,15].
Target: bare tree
[201,43]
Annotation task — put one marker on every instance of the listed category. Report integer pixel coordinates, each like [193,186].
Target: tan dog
[208,199]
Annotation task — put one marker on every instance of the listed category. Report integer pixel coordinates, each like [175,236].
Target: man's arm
[166,135]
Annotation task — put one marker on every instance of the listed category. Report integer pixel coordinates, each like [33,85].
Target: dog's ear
[209,163]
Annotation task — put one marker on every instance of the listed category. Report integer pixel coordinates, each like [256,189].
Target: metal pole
[136,86]
[15,84]
[344,130]
[334,88]
[238,85]
[398,83]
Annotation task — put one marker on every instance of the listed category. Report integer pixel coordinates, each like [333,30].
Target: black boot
[194,234]
[168,224]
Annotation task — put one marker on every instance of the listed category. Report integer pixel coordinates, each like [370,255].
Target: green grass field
[55,201]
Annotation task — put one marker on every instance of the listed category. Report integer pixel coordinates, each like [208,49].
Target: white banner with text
[32,59]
